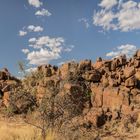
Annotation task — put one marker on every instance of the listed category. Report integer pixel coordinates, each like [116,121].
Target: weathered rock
[85,65]
[46,70]
[98,64]
[114,64]
[112,99]
[6,98]
[107,65]
[96,117]
[96,95]
[131,82]
[137,55]
[126,110]
[137,63]
[3,75]
[129,71]
[67,70]
[82,92]
[104,80]
[137,75]
[93,76]
[113,82]
[1,94]
[122,60]
[135,92]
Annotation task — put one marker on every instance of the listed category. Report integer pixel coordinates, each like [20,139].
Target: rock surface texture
[96,93]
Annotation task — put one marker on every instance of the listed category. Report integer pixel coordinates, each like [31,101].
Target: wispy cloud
[25,51]
[45,49]
[30,28]
[85,22]
[35,3]
[43,56]
[124,17]
[43,12]
[22,33]
[33,28]
[108,4]
[127,49]
[46,41]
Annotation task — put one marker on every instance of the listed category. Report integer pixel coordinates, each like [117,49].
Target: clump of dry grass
[13,131]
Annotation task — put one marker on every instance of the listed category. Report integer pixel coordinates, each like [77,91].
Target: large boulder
[85,65]
[113,82]
[131,82]
[137,63]
[137,54]
[107,65]
[6,98]
[104,80]
[129,71]
[96,117]
[92,76]
[137,75]
[97,95]
[122,60]
[98,64]
[67,70]
[47,70]
[114,64]
[3,75]
[112,99]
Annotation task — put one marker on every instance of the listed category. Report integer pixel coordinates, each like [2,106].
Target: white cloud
[35,3]
[104,19]
[108,4]
[43,56]
[46,49]
[124,17]
[68,49]
[46,41]
[30,28]
[33,28]
[25,51]
[85,21]
[32,40]
[43,12]
[22,33]
[127,49]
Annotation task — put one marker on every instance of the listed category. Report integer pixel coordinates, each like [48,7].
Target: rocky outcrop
[8,83]
[96,92]
[100,92]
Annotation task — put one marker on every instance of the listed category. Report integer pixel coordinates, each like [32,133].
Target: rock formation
[96,93]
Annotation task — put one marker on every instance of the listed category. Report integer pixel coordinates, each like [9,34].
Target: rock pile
[7,84]
[100,91]
[95,92]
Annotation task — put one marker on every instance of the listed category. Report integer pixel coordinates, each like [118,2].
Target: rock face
[7,84]
[99,92]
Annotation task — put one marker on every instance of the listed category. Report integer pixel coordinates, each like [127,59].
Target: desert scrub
[22,101]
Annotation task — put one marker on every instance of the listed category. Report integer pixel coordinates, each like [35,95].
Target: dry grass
[17,130]
[12,131]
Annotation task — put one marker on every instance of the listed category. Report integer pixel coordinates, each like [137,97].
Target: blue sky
[51,31]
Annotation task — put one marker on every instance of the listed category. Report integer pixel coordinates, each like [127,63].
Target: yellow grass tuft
[12,131]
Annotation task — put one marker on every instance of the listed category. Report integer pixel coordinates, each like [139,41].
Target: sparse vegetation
[74,102]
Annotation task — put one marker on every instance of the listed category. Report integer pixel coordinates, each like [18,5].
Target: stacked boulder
[7,84]
[97,92]
[100,91]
